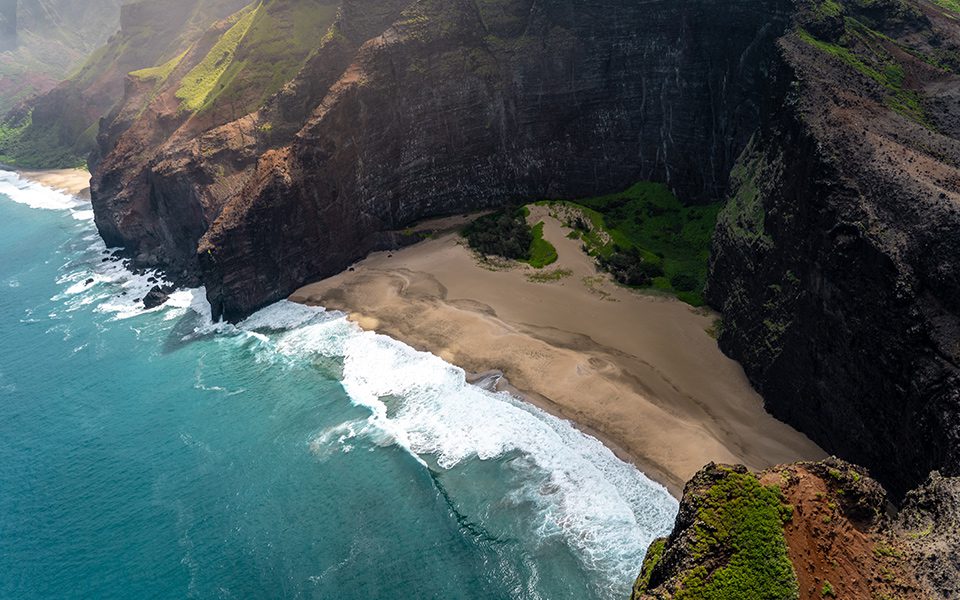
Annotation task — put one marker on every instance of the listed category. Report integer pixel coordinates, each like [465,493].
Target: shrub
[629,267]
[504,233]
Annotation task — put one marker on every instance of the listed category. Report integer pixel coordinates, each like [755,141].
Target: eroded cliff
[406,110]
[806,531]
[835,260]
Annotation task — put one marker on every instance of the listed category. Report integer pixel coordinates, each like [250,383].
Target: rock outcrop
[929,525]
[808,530]
[835,262]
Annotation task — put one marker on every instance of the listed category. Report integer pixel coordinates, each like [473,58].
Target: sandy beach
[72,181]
[640,372]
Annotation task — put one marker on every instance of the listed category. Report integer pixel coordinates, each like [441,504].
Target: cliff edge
[806,531]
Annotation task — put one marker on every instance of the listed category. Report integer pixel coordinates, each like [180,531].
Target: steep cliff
[59,128]
[804,531]
[835,260]
[406,110]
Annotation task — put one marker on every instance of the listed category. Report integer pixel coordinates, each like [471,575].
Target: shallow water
[155,454]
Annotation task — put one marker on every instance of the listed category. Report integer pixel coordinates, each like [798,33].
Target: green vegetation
[829,8]
[654,554]
[743,215]
[262,51]
[542,252]
[161,72]
[882,549]
[23,145]
[646,238]
[874,62]
[953,5]
[199,84]
[741,520]
[504,233]
[549,276]
[827,590]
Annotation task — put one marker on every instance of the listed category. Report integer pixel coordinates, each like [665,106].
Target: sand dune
[638,371]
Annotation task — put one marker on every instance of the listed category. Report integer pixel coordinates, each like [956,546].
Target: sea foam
[604,509]
[36,195]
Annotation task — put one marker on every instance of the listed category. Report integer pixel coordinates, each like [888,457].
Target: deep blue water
[158,455]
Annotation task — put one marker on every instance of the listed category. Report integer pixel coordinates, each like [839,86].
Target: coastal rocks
[809,530]
[157,296]
[835,260]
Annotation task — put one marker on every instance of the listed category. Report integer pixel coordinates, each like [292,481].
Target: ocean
[156,454]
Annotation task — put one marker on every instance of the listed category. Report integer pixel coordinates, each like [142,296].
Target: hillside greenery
[647,238]
[22,145]
[742,521]
[262,50]
[506,233]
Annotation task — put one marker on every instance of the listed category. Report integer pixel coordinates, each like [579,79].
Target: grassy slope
[742,521]
[261,52]
[202,80]
[949,4]
[542,252]
[867,51]
[649,217]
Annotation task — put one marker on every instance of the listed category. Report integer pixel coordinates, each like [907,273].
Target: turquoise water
[154,454]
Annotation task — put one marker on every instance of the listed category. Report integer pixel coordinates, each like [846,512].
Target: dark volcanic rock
[930,522]
[156,296]
[415,109]
[835,262]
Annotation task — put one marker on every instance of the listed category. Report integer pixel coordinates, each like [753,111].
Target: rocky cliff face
[59,128]
[408,110]
[835,261]
[804,531]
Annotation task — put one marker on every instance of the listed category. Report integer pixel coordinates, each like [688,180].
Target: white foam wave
[600,506]
[36,195]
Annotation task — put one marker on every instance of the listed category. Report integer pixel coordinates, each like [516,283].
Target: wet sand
[638,371]
[75,182]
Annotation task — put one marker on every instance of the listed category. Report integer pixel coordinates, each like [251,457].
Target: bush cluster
[504,233]
[629,267]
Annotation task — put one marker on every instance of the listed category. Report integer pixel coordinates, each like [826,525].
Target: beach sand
[72,181]
[638,371]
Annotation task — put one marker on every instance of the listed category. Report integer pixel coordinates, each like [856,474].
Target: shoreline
[75,182]
[635,370]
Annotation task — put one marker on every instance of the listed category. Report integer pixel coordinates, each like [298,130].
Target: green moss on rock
[729,543]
